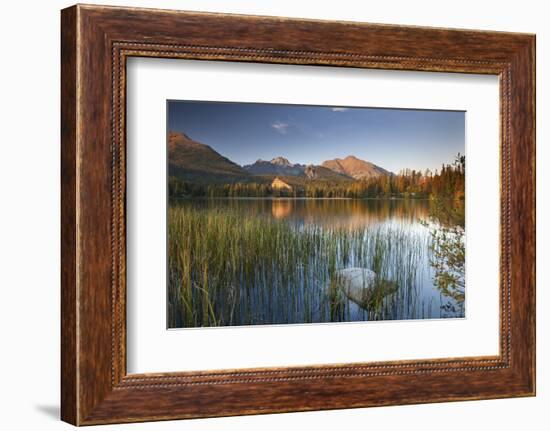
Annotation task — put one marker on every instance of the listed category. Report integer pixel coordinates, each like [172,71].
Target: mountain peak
[277,166]
[178,135]
[281,161]
[355,168]
[192,160]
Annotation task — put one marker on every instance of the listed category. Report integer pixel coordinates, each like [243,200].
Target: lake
[278,261]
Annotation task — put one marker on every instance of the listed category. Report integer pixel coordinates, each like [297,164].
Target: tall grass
[227,267]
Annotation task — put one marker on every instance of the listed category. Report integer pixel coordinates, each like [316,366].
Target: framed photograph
[264,215]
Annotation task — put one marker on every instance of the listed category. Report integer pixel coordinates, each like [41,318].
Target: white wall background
[29,214]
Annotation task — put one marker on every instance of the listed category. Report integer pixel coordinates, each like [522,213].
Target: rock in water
[362,285]
[357,282]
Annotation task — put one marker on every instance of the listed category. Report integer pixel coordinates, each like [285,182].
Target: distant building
[278,184]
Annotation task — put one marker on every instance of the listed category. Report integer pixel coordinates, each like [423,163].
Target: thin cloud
[281,127]
[340,109]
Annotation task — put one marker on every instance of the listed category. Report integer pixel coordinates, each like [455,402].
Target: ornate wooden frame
[95,43]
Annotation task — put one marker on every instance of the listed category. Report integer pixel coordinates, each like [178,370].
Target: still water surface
[388,236]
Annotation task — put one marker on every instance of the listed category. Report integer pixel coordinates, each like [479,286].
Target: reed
[228,268]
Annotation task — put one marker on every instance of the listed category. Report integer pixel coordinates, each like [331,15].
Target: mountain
[355,168]
[279,166]
[281,161]
[276,166]
[191,160]
[314,172]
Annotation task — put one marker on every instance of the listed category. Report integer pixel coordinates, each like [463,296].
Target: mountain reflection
[341,213]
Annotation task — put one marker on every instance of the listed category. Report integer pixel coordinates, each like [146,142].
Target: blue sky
[391,138]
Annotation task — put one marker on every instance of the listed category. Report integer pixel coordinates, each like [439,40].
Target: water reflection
[281,208]
[261,272]
[351,213]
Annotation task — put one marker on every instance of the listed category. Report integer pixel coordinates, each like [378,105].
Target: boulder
[362,285]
